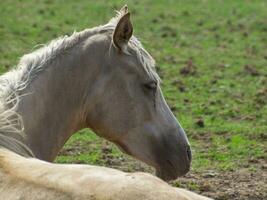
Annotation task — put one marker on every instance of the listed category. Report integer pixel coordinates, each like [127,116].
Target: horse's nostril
[189,154]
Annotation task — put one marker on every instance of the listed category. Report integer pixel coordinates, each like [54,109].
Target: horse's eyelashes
[151,85]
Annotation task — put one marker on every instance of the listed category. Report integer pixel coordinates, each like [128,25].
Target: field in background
[212,58]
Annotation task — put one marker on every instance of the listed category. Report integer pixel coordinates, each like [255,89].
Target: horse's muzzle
[175,166]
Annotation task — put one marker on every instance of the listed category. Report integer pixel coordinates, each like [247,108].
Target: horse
[101,78]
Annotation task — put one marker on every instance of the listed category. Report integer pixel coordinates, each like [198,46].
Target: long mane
[14,81]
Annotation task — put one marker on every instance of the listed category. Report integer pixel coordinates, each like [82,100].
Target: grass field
[212,58]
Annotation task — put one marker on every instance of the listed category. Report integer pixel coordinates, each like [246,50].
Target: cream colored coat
[33,179]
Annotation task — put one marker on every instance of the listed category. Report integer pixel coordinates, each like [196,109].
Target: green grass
[221,40]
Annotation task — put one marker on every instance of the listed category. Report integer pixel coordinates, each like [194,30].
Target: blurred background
[212,58]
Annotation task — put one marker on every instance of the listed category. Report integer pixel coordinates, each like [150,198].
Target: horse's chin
[165,176]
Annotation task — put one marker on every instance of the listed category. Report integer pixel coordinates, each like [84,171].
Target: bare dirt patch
[189,68]
[251,70]
[235,185]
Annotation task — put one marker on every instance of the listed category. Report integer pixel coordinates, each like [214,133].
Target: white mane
[14,81]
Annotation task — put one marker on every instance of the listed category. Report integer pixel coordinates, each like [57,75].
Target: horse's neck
[51,108]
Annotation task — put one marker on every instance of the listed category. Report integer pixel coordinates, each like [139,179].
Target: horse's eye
[151,85]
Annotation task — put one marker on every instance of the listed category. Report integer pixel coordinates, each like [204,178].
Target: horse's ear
[124,9]
[123,31]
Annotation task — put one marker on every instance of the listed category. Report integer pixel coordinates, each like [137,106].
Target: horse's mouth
[170,172]
[162,176]
[166,176]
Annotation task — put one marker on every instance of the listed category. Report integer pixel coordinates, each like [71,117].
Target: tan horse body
[33,179]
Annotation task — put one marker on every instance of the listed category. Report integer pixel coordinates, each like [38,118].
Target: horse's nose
[189,153]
